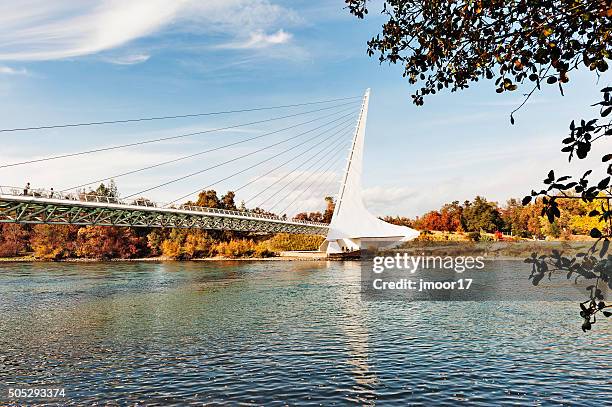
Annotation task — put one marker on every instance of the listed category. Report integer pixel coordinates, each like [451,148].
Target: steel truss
[37,210]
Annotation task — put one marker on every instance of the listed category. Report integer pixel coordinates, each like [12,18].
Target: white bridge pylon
[352,226]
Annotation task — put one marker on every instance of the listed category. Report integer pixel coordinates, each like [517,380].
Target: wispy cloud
[130,59]
[260,40]
[7,70]
[43,30]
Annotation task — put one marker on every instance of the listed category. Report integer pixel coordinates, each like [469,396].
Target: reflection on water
[282,332]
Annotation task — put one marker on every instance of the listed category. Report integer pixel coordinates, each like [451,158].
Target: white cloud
[385,200]
[130,59]
[53,30]
[7,70]
[260,40]
[43,30]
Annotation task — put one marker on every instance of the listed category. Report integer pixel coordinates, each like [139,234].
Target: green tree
[482,215]
[109,190]
[514,218]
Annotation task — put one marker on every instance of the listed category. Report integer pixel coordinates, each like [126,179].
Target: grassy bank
[493,249]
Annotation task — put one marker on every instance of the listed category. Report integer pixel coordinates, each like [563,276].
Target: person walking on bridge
[26,190]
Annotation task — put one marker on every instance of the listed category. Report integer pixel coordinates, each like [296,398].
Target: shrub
[242,248]
[235,248]
[196,245]
[484,237]
[286,242]
[474,236]
[171,249]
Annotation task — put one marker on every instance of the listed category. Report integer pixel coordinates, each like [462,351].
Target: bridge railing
[91,197]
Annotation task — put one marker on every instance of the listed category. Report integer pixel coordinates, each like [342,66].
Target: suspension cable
[298,167]
[204,151]
[181,116]
[139,143]
[324,148]
[330,154]
[303,191]
[237,158]
[325,181]
[254,165]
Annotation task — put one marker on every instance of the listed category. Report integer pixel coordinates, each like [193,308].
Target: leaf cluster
[596,263]
[449,44]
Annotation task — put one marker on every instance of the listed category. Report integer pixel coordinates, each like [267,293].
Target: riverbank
[494,250]
[282,256]
[488,250]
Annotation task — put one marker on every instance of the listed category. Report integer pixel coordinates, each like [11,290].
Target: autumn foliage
[54,242]
[99,242]
[13,240]
[525,221]
[57,242]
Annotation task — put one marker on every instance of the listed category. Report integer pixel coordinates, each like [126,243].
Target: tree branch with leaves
[451,44]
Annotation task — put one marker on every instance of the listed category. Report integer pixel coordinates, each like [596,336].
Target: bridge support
[353,227]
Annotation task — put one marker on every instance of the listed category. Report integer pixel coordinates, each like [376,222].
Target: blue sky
[69,61]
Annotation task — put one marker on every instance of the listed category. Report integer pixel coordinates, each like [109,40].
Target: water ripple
[277,333]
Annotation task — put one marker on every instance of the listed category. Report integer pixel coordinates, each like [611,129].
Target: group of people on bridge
[28,191]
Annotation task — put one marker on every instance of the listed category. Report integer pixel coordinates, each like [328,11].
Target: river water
[266,333]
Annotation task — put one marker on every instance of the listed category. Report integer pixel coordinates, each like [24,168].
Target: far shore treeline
[471,220]
[512,221]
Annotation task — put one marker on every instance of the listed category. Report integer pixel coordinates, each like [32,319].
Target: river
[274,332]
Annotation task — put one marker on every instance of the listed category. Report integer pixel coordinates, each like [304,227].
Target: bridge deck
[46,208]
